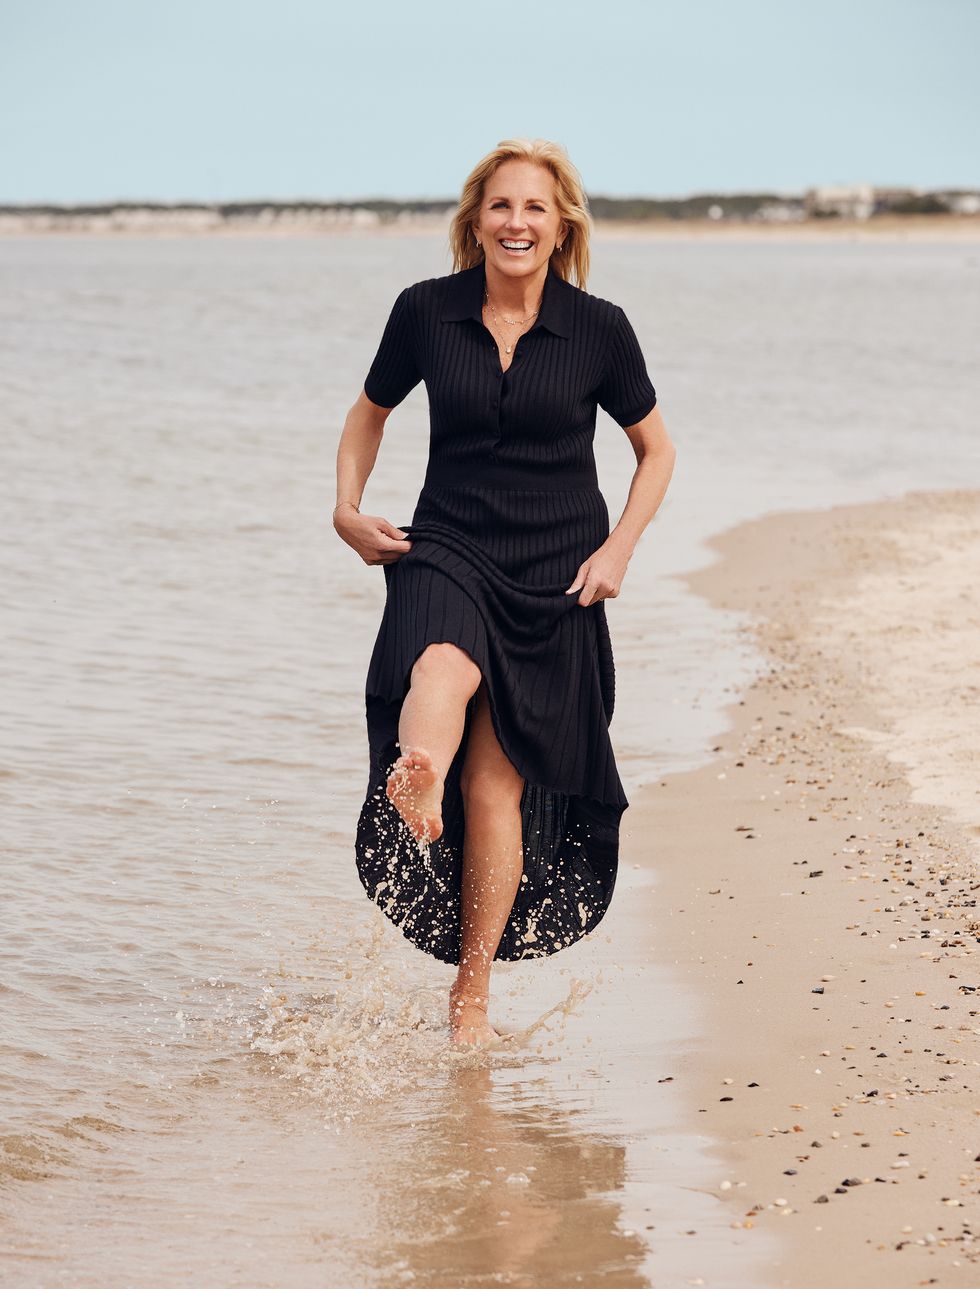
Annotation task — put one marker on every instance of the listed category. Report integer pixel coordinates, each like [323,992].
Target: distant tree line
[385,208]
[729,206]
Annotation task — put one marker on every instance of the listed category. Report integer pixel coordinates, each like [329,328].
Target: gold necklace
[514,322]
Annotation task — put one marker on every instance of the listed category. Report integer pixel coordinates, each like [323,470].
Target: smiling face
[519,224]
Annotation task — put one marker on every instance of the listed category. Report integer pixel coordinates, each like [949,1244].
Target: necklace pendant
[508,348]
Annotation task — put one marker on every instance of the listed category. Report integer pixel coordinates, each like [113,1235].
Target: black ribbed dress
[510,507]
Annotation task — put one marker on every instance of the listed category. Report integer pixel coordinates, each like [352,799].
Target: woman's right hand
[375,539]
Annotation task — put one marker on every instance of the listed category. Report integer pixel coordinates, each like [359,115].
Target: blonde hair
[573,209]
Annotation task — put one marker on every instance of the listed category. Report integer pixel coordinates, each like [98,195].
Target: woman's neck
[517,296]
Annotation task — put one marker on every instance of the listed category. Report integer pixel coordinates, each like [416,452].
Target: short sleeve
[394,373]
[625,392]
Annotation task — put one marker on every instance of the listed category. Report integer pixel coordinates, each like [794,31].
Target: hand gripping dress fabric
[509,509]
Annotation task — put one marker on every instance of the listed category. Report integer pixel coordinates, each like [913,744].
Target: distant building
[962,203]
[850,201]
[781,212]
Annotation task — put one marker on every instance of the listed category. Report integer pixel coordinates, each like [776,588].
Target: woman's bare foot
[469,1025]
[415,790]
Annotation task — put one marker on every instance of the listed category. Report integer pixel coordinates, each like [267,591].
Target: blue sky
[224,99]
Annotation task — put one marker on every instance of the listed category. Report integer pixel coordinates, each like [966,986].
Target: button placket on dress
[501,383]
[493,397]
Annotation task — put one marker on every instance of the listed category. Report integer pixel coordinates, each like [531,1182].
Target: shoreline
[888,228]
[816,889]
[900,228]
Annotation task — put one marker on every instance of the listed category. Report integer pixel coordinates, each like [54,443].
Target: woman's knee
[490,789]
[444,661]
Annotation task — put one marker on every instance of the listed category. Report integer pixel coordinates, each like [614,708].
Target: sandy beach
[888,228]
[882,228]
[817,889]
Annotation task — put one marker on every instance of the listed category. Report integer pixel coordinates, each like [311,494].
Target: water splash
[375,1034]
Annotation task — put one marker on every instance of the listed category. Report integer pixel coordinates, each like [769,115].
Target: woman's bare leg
[444,679]
[493,861]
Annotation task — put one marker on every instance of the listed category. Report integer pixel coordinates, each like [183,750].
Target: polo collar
[464,299]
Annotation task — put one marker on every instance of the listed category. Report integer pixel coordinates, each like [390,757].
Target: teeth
[517,246]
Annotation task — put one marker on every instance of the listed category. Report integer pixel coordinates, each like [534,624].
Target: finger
[389,529]
[578,583]
[390,544]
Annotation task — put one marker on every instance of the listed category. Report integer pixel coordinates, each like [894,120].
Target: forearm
[647,489]
[357,453]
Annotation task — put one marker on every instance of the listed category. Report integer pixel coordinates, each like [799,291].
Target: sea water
[219,1063]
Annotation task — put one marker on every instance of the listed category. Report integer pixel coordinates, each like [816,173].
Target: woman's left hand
[601,576]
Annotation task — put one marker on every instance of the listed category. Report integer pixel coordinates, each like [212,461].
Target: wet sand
[817,891]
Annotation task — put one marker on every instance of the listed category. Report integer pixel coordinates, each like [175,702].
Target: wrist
[622,539]
[346,503]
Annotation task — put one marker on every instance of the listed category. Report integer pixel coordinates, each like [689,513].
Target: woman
[491,822]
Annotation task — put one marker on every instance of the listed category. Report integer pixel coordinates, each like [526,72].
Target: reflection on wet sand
[496,1185]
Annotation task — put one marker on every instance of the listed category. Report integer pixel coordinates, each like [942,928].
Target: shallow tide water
[219,1062]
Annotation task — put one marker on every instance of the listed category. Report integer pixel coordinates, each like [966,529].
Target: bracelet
[346,503]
